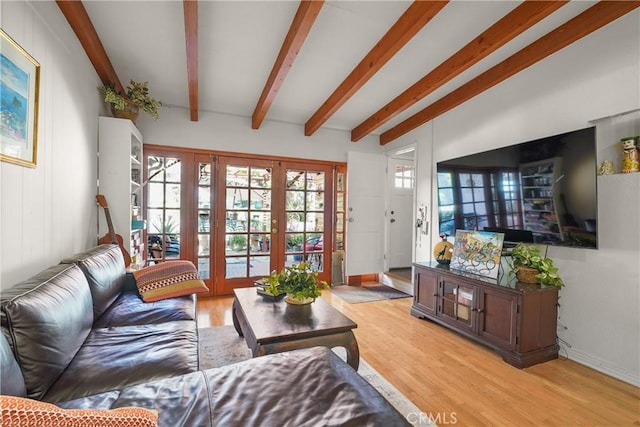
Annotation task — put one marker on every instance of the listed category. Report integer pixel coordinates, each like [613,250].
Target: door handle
[393,220]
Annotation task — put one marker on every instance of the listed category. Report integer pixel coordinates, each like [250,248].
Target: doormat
[367,293]
[221,345]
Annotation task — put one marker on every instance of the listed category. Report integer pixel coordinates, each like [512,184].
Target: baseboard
[602,366]
[362,278]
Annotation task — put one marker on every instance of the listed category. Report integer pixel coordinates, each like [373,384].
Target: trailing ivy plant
[524,255]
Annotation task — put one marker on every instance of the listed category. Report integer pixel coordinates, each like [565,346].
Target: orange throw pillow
[168,279]
[23,412]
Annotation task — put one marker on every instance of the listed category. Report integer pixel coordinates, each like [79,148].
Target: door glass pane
[204,219]
[248,221]
[236,221]
[315,201]
[163,208]
[315,221]
[237,198]
[304,206]
[237,176]
[295,180]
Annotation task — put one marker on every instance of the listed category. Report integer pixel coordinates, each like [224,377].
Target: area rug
[221,346]
[367,293]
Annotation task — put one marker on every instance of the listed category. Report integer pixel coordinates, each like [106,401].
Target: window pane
[315,180]
[315,221]
[444,179]
[237,198]
[260,177]
[260,243]
[203,244]
[465,180]
[204,194]
[237,176]
[295,200]
[467,209]
[445,213]
[467,195]
[260,221]
[205,174]
[445,196]
[295,180]
[236,221]
[481,208]
[477,179]
[315,201]
[235,243]
[478,194]
[155,197]
[236,267]
[295,221]
[259,266]
[294,242]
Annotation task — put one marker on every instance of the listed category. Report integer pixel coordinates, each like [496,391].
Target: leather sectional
[78,335]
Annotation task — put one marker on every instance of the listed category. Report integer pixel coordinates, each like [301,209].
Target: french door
[270,214]
[238,218]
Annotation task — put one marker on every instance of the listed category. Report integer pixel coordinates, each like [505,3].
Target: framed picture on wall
[477,252]
[19,90]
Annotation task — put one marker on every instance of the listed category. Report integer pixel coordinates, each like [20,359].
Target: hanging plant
[137,96]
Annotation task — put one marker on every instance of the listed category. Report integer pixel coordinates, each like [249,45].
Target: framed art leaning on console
[19,91]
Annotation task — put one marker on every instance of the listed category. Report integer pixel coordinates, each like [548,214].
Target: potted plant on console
[128,106]
[298,281]
[530,266]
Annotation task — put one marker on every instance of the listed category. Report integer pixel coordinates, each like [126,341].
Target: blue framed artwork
[19,90]
[477,252]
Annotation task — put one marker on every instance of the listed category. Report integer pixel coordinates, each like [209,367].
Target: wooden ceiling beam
[191,38]
[412,20]
[506,29]
[302,22]
[79,21]
[587,22]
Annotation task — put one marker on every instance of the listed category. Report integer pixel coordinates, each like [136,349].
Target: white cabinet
[120,182]
[539,183]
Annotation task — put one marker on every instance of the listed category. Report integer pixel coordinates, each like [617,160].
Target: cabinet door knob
[435,295]
[480,310]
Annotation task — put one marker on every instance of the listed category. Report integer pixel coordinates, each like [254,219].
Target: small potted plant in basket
[298,281]
[127,106]
[530,266]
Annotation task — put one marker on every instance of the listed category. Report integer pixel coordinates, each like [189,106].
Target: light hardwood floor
[453,379]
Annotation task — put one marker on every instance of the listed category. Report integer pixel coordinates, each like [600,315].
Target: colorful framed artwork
[19,91]
[477,252]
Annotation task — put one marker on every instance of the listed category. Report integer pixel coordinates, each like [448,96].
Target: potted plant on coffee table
[530,266]
[298,281]
[128,105]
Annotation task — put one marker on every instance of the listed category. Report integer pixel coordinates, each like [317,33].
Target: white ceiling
[238,42]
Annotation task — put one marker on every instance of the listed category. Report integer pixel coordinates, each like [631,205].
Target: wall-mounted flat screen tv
[541,191]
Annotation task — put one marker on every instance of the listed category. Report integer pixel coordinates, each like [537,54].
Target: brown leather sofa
[78,335]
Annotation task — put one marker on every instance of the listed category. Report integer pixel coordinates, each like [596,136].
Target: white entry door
[400,228]
[365,213]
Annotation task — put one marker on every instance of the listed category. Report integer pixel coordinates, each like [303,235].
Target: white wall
[223,132]
[49,212]
[598,76]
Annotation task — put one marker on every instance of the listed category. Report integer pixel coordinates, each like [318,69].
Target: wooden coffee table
[275,326]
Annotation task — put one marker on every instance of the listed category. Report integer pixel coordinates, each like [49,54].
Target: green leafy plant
[137,95]
[297,280]
[524,255]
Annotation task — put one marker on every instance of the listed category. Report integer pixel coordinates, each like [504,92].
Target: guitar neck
[112,231]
